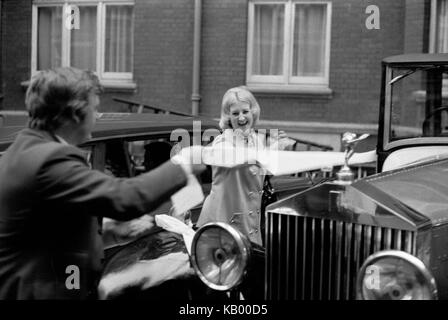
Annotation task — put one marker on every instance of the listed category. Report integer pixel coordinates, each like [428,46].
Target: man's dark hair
[56,96]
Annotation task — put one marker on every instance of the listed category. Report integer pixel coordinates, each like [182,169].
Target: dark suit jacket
[50,201]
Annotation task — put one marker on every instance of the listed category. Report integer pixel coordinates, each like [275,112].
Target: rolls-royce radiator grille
[318,259]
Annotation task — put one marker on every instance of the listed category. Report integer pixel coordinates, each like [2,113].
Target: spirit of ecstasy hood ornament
[346,176]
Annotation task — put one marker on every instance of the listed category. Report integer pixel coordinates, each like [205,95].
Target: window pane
[442,32]
[119,39]
[83,40]
[309,40]
[268,40]
[442,27]
[49,36]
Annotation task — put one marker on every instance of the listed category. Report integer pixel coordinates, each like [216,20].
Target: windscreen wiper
[404,75]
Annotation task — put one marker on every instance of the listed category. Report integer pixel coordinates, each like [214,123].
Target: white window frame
[111,77]
[433,27]
[433,35]
[287,81]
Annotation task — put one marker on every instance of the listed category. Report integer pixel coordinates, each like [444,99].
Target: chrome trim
[296,256]
[279,250]
[339,229]
[414,261]
[269,253]
[330,274]
[408,242]
[378,237]
[348,243]
[304,258]
[416,142]
[322,248]
[368,242]
[357,248]
[287,256]
[242,243]
[313,233]
[398,240]
[388,239]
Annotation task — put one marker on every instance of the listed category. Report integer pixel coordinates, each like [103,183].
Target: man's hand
[130,228]
[197,169]
[190,158]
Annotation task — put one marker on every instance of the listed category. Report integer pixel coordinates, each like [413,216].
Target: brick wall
[416,32]
[355,59]
[164,52]
[224,41]
[16,51]
[1,55]
[163,57]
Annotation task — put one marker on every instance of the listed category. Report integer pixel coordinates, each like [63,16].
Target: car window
[128,158]
[152,153]
[117,159]
[414,112]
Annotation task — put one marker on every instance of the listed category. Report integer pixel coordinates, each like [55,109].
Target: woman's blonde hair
[234,96]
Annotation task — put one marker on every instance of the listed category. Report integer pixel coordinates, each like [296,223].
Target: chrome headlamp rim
[242,244]
[411,259]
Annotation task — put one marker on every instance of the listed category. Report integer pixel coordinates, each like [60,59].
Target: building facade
[314,66]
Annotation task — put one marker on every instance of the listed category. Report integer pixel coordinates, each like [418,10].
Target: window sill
[320,92]
[119,86]
[109,86]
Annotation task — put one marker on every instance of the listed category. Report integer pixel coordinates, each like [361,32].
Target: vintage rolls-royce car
[384,236]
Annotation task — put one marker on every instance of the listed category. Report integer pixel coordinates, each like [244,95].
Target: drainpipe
[195,96]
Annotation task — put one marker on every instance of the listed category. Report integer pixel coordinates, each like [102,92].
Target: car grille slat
[377,241]
[279,261]
[409,242]
[368,241]
[330,256]
[397,243]
[388,239]
[339,230]
[288,251]
[347,256]
[310,258]
[313,243]
[357,245]
[296,256]
[269,257]
[322,248]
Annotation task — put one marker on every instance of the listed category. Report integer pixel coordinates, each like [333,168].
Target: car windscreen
[415,96]
[423,188]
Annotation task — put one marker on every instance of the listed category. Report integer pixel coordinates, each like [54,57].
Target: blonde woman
[235,196]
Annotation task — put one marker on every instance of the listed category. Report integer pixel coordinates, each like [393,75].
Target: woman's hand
[279,140]
[282,135]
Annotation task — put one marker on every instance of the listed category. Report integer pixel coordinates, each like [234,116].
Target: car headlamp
[395,275]
[220,255]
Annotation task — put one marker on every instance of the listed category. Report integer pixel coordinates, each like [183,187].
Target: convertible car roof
[418,58]
[117,125]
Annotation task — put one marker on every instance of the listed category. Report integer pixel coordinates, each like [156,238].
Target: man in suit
[51,202]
